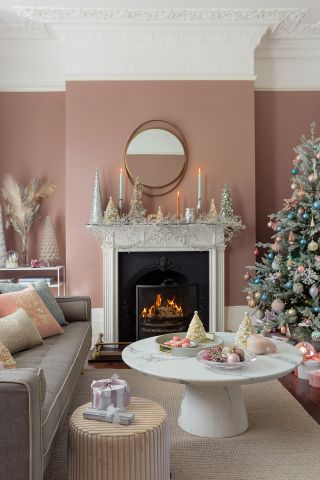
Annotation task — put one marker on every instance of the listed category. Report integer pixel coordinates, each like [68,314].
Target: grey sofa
[34,397]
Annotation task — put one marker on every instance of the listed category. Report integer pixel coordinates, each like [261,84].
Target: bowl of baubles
[225,358]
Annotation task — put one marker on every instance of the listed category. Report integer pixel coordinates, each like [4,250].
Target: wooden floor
[307,396]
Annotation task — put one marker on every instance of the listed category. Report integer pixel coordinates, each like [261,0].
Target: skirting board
[233,316]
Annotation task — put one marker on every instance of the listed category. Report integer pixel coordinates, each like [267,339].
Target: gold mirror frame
[163,125]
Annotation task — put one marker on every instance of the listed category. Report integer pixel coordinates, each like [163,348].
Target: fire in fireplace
[165,308]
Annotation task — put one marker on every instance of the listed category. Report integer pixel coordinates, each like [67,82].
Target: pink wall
[32,144]
[217,120]
[281,119]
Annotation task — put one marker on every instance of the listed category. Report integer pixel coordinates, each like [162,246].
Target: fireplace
[164,308]
[159,292]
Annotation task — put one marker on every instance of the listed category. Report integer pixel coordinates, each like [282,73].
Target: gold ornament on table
[196,331]
[246,328]
[159,216]
[111,214]
[137,211]
[21,206]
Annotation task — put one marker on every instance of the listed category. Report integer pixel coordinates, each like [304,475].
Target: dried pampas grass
[22,202]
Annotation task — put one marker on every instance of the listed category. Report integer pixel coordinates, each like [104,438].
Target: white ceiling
[45,43]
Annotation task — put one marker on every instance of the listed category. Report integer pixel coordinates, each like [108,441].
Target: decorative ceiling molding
[25,29]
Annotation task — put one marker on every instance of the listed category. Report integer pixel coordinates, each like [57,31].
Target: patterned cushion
[45,293]
[31,302]
[6,359]
[18,332]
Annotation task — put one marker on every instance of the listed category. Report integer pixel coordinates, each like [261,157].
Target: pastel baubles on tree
[277,305]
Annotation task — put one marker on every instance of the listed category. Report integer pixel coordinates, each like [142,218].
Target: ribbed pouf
[108,451]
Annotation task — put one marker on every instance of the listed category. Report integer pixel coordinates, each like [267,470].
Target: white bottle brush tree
[49,252]
[285,287]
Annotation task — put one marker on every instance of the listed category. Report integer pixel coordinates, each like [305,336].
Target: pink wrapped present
[111,391]
[314,379]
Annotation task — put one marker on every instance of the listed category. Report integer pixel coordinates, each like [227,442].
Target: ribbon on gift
[102,388]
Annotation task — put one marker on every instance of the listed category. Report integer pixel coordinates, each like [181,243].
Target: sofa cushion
[6,360]
[31,302]
[45,293]
[18,332]
[61,359]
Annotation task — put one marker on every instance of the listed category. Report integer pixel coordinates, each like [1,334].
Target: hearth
[164,308]
[159,291]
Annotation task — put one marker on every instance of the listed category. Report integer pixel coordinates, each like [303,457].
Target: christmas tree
[96,209]
[246,328]
[285,287]
[137,210]
[212,214]
[226,209]
[196,329]
[49,251]
[111,214]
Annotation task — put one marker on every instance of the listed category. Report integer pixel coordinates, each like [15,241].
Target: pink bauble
[300,268]
[277,305]
[270,224]
[317,258]
[233,358]
[278,274]
[247,276]
[207,355]
[318,156]
[301,211]
[297,159]
[278,238]
[312,178]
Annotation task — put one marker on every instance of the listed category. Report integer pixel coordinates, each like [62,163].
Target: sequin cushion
[18,332]
[31,302]
[6,360]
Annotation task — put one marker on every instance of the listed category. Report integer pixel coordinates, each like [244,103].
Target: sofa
[34,397]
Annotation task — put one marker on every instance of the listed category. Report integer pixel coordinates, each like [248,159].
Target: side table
[108,451]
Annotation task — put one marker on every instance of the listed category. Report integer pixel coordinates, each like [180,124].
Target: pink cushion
[31,302]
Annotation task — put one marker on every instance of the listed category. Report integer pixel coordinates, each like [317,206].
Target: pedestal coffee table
[212,404]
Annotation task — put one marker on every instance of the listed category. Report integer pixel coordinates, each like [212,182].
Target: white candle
[178,205]
[120,190]
[199,190]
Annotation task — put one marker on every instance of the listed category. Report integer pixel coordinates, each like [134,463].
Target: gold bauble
[313,246]
[294,186]
[257,295]
[292,312]
[301,194]
[251,303]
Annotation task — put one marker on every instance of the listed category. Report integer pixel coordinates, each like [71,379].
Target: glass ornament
[294,171]
[306,348]
[315,336]
[279,228]
[303,242]
[316,309]
[257,281]
[264,297]
[316,205]
[289,285]
[290,216]
[271,255]
[306,216]
[313,290]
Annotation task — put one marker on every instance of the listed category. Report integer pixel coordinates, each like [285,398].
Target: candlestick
[199,191]
[121,190]
[178,205]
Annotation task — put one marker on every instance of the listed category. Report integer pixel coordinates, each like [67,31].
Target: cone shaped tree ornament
[3,249]
[196,331]
[159,216]
[212,214]
[226,209]
[137,211]
[246,328]
[96,208]
[49,251]
[111,214]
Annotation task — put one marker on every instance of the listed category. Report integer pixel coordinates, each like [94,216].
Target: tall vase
[24,251]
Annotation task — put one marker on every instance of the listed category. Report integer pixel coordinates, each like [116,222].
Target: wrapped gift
[111,415]
[111,391]
[314,379]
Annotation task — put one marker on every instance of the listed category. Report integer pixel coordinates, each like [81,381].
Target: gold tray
[186,351]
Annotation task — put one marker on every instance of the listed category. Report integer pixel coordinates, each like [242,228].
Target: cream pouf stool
[108,451]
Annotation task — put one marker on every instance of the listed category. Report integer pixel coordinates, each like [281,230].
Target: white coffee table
[212,404]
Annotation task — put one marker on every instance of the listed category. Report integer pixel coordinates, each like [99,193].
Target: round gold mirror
[156,152]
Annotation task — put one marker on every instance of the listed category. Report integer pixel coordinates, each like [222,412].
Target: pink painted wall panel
[281,119]
[32,144]
[217,120]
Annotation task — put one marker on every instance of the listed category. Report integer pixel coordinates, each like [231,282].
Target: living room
[150,153]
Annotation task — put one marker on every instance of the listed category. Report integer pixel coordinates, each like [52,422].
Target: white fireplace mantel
[160,237]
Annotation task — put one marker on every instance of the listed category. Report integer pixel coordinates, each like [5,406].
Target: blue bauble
[264,297]
[306,216]
[316,309]
[315,147]
[279,229]
[271,255]
[290,216]
[316,205]
[303,242]
[257,281]
[289,285]
[294,171]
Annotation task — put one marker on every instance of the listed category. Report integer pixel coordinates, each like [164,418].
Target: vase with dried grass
[21,207]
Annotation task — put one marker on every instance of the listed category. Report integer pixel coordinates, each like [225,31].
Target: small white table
[212,404]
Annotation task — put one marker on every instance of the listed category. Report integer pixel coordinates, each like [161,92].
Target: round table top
[144,356]
[147,416]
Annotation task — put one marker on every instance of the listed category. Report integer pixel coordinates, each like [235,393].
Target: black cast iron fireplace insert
[168,285]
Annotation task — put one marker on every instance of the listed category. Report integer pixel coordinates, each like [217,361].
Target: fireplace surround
[162,240]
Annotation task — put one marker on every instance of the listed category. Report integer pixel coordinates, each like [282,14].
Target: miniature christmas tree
[159,216]
[226,209]
[49,251]
[212,214]
[111,214]
[246,328]
[3,250]
[137,210]
[285,288]
[96,208]
[196,331]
